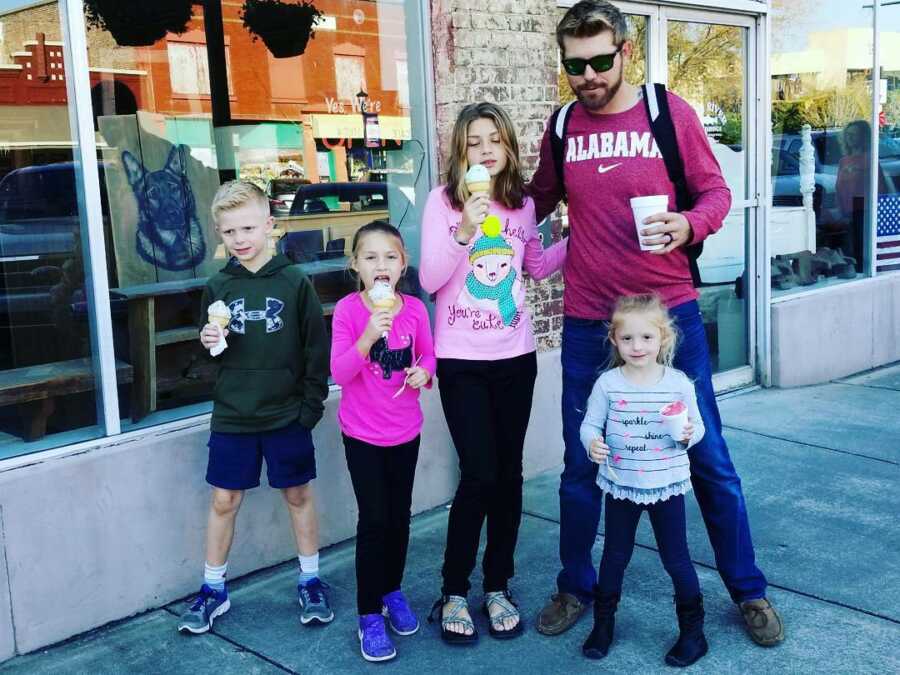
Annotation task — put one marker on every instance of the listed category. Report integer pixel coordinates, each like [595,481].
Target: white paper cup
[642,207]
[674,424]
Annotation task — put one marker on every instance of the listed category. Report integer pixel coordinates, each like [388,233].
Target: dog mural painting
[168,232]
[160,181]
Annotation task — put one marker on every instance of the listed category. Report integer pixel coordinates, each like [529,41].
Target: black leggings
[382,480]
[487,405]
[667,519]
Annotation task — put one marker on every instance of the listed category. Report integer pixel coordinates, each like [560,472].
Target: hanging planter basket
[284,27]
[138,23]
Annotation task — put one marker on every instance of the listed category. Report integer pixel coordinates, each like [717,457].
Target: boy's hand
[688,432]
[599,450]
[209,336]
[416,377]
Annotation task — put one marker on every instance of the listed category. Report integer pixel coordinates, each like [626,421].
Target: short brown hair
[236,193]
[589,18]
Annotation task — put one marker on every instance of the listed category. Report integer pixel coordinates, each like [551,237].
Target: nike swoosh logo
[604,169]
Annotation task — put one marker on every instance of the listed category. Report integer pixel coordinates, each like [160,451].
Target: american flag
[887,236]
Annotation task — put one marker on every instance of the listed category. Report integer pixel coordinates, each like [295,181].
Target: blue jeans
[585,352]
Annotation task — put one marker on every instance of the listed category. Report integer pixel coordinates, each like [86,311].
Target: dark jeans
[382,480]
[585,352]
[667,519]
[487,405]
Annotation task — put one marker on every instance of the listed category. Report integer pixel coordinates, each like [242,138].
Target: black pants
[382,480]
[487,405]
[668,521]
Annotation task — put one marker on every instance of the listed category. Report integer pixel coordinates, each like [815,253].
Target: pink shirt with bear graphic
[480,310]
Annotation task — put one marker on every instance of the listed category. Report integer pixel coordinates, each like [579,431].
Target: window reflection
[821,132]
[887,233]
[47,379]
[316,114]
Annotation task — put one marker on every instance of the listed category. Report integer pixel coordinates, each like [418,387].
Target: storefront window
[327,117]
[821,64]
[887,235]
[48,383]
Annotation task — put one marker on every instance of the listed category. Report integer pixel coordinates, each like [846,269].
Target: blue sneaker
[313,602]
[374,641]
[401,618]
[199,617]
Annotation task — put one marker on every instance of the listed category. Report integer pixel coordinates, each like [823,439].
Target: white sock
[309,567]
[214,576]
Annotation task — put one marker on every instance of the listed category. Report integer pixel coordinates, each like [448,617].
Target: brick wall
[508,56]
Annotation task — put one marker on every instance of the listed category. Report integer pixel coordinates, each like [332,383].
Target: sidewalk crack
[811,445]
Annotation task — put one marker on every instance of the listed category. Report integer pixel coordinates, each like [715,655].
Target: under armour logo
[239,316]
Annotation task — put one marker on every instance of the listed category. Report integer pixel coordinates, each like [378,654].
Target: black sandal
[510,609]
[449,636]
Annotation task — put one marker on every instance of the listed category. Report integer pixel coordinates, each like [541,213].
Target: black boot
[597,644]
[691,645]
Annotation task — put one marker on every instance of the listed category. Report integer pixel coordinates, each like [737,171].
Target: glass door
[707,58]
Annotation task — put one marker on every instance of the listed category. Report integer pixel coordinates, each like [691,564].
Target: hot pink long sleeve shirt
[368,410]
[609,159]
[480,310]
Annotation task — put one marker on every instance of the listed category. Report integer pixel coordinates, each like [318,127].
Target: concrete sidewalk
[821,473]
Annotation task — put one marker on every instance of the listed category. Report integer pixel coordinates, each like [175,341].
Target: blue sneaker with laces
[199,616]
[374,641]
[313,602]
[402,620]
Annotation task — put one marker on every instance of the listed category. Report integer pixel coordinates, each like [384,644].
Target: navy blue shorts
[235,460]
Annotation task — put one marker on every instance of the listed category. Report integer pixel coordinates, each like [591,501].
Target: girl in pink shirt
[381,356]
[474,250]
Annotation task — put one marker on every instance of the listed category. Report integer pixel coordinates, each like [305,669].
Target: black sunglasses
[599,64]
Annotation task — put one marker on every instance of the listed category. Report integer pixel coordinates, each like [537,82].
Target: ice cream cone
[381,295]
[219,315]
[478,179]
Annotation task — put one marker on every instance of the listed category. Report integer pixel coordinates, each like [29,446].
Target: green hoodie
[276,366]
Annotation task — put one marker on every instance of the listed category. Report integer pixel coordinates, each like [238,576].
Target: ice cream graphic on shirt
[492,283]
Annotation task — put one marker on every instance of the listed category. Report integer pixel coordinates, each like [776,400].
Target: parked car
[280,192]
[827,156]
[326,197]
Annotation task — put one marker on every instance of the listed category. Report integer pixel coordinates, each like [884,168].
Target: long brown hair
[508,185]
[651,306]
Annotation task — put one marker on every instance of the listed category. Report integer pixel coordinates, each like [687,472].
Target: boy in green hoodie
[268,396]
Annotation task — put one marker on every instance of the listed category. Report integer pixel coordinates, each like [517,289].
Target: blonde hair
[651,306]
[589,18]
[509,186]
[235,194]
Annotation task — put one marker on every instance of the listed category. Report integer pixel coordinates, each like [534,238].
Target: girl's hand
[209,336]
[475,210]
[599,450]
[379,323]
[688,432]
[416,377]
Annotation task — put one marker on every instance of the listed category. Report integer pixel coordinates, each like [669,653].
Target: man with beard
[610,156]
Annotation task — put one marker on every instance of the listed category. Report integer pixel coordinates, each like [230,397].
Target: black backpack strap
[559,124]
[656,104]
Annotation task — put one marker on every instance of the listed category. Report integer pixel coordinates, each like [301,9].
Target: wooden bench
[144,338]
[35,389]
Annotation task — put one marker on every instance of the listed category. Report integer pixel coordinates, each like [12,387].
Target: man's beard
[595,103]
